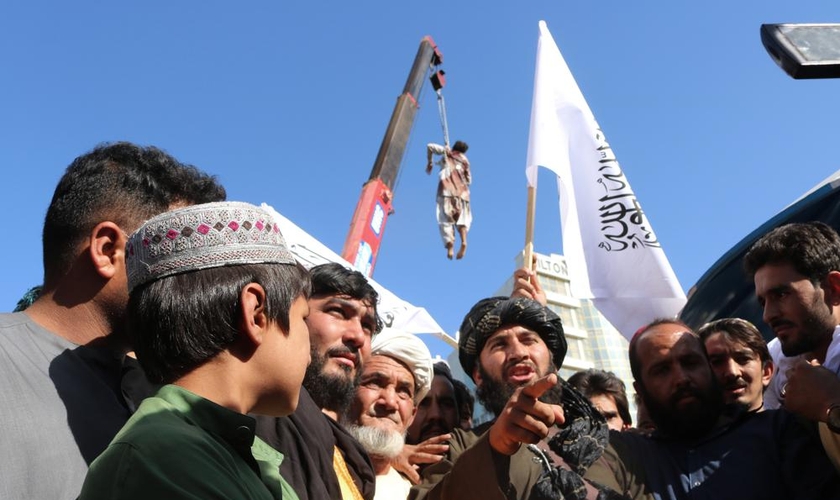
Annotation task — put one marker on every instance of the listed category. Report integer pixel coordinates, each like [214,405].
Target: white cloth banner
[613,254]
[395,312]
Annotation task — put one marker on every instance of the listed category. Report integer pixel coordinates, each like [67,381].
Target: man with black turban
[511,347]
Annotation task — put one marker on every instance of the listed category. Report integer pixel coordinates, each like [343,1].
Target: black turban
[489,315]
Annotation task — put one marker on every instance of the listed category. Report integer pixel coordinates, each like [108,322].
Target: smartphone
[804,50]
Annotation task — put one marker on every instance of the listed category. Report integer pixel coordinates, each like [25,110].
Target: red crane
[362,245]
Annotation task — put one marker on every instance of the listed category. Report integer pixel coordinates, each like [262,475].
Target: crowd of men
[176,349]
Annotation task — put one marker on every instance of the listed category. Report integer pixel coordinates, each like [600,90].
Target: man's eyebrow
[347,303]
[340,300]
[498,336]
[657,364]
[779,288]
[404,384]
[375,375]
[783,287]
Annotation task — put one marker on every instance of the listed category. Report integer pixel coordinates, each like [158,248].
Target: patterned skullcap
[409,350]
[201,237]
[489,315]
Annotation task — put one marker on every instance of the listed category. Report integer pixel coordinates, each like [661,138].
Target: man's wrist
[499,444]
[832,417]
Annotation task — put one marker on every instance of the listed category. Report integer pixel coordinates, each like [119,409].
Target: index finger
[539,386]
[523,272]
[413,475]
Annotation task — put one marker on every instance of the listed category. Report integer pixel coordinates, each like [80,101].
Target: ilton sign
[552,266]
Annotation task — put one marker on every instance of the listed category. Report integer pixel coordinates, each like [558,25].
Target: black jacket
[307,438]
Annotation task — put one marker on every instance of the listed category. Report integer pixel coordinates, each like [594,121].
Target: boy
[216,310]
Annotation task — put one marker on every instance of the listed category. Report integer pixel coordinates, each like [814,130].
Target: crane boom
[361,247]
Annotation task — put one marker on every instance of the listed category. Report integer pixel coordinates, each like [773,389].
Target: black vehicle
[725,290]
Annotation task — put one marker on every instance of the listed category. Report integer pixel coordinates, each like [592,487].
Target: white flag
[613,255]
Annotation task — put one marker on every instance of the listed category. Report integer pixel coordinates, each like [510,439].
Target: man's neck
[219,381]
[330,413]
[80,323]
[381,465]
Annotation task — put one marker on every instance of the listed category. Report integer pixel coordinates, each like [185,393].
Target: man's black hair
[460,146]
[118,182]
[334,279]
[594,382]
[812,248]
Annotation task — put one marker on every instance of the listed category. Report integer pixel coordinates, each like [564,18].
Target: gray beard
[378,441]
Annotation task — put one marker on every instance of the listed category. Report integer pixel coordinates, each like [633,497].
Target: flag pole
[529,227]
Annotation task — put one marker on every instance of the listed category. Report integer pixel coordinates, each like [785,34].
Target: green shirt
[181,446]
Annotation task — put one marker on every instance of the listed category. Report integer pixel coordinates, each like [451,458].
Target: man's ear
[476,376]
[253,320]
[107,249]
[411,418]
[767,373]
[831,285]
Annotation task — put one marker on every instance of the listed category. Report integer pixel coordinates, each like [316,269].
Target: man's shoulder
[307,438]
[51,372]
[20,330]
[461,157]
[632,444]
[157,417]
[14,319]
[469,436]
[160,451]
[479,429]
[161,431]
[774,424]
[307,423]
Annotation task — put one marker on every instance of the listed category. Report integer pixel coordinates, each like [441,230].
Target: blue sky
[287,103]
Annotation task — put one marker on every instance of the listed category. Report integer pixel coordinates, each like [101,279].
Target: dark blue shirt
[763,456]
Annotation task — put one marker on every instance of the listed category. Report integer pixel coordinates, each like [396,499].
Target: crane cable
[442,113]
[443,123]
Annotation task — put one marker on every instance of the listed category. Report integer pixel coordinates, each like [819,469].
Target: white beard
[376,441]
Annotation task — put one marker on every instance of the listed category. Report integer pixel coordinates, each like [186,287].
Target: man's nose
[681,377]
[354,333]
[433,412]
[731,369]
[770,311]
[518,351]
[388,398]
